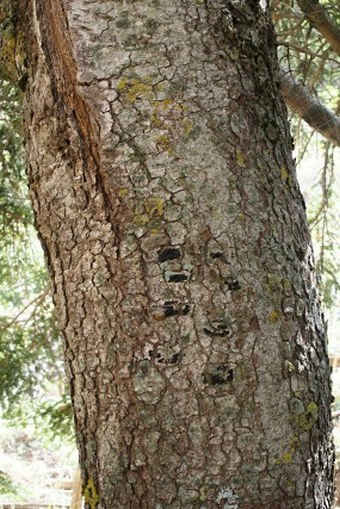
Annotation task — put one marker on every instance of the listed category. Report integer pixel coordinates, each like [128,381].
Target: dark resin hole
[233,285]
[174,358]
[169,310]
[169,253]
[216,254]
[177,278]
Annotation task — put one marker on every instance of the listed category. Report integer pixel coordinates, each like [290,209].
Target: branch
[307,51]
[36,302]
[300,101]
[319,18]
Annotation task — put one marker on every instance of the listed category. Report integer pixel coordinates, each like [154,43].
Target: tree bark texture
[175,234]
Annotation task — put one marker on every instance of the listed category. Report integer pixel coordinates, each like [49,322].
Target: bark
[175,234]
[318,16]
[300,101]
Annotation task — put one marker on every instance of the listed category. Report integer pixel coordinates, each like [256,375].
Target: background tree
[136,91]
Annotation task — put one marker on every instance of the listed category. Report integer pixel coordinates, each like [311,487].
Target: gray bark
[175,234]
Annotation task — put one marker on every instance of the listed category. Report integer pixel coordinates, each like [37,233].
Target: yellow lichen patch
[152,209]
[274,281]
[289,366]
[187,126]
[122,84]
[155,120]
[284,173]
[240,158]
[164,104]
[287,457]
[155,207]
[313,409]
[123,192]
[161,111]
[203,495]
[133,88]
[274,316]
[164,142]
[159,87]
[90,494]
[142,219]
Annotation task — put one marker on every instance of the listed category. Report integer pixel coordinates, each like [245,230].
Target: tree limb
[319,18]
[301,101]
[36,301]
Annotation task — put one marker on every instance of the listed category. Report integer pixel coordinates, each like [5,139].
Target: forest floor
[39,472]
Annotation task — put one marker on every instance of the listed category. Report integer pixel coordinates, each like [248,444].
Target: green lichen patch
[288,455]
[151,26]
[308,418]
[123,21]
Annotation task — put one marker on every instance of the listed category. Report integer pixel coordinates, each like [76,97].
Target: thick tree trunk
[166,199]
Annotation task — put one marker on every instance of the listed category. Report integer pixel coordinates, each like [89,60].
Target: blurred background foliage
[32,381]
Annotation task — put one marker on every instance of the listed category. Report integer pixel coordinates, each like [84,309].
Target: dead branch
[318,16]
[308,107]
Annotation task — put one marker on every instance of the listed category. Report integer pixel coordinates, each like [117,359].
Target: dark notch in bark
[171,308]
[219,375]
[168,253]
[216,255]
[233,285]
[173,359]
[177,278]
[221,329]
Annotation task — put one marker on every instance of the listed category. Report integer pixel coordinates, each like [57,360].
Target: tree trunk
[175,234]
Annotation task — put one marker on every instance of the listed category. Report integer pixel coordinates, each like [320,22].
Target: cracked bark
[166,200]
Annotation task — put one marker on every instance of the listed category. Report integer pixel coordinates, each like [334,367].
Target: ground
[40,471]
